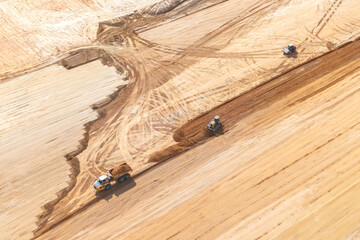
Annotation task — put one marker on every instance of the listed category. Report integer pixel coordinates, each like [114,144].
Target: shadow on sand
[116,190]
[292,55]
[219,131]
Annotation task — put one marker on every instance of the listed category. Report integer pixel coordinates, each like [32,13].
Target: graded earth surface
[86,86]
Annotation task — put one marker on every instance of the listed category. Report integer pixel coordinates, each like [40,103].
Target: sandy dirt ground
[276,166]
[42,117]
[177,79]
[38,32]
[287,167]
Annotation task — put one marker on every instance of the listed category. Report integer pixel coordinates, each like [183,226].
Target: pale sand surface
[236,50]
[36,32]
[246,183]
[41,119]
[286,171]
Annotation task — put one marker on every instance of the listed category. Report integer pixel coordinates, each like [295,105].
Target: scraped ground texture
[36,33]
[285,165]
[42,117]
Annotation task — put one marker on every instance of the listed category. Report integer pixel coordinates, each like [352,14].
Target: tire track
[327,16]
[141,70]
[192,134]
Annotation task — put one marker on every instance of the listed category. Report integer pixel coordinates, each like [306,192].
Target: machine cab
[102,182]
[214,124]
[292,47]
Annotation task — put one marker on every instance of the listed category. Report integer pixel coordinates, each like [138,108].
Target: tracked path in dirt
[180,65]
[287,165]
[42,114]
[173,80]
[194,132]
[33,33]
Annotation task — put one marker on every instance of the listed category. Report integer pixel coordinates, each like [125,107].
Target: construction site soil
[194,131]
[167,70]
[267,105]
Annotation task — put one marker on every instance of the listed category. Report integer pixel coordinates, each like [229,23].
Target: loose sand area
[37,33]
[278,165]
[286,167]
[42,117]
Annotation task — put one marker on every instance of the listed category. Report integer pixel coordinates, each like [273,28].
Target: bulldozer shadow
[293,55]
[116,190]
[219,131]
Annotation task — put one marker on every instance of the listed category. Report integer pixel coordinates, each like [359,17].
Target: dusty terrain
[285,165]
[37,33]
[42,117]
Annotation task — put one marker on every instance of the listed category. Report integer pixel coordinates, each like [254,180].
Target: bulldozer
[120,174]
[290,49]
[214,124]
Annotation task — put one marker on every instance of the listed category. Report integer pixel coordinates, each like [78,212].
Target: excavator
[214,124]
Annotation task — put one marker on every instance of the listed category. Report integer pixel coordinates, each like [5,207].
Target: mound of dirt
[121,169]
[162,7]
[80,57]
[194,131]
[184,142]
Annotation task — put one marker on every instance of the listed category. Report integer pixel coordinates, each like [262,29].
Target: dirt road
[287,167]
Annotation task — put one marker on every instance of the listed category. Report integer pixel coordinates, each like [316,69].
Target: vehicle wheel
[127,176]
[107,187]
[121,179]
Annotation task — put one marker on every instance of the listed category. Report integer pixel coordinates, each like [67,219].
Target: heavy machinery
[214,124]
[290,49]
[120,174]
